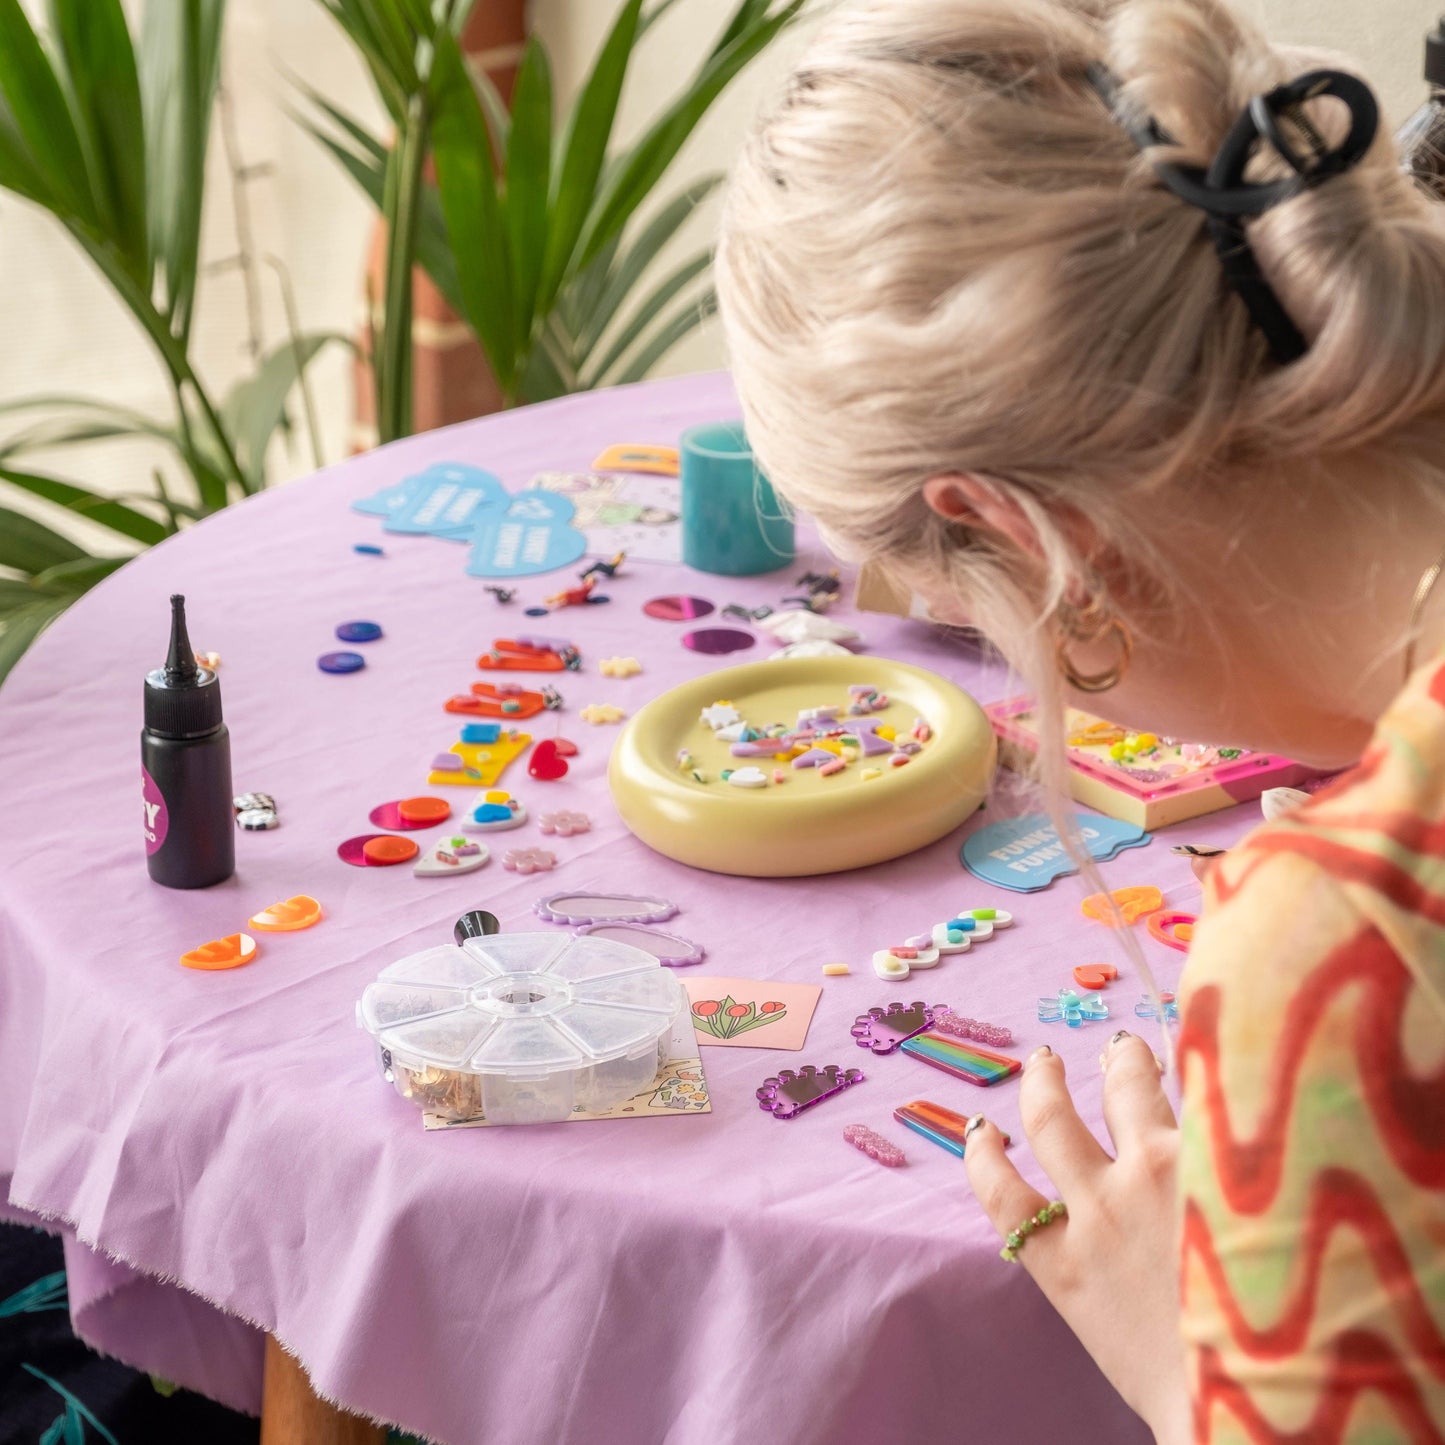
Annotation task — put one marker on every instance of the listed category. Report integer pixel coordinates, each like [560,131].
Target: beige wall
[64,334]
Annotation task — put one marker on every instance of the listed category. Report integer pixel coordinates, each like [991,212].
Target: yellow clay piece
[488,760]
[836,970]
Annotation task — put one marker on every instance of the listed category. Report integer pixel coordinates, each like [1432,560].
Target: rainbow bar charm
[964,1060]
[942,1126]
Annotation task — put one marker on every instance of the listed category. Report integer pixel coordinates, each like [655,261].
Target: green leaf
[651,156]
[179,62]
[74,1426]
[494,108]
[31,546]
[467,182]
[104,91]
[666,337]
[652,15]
[38,117]
[542,380]
[529,153]
[54,1434]
[73,578]
[585,150]
[366,165]
[103,511]
[71,1401]
[255,407]
[748,13]
[647,311]
[47,1292]
[640,255]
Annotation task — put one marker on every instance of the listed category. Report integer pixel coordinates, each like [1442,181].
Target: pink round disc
[351,850]
[717,640]
[678,609]
[388,815]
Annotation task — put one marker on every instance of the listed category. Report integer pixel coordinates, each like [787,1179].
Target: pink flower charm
[528,860]
[564,825]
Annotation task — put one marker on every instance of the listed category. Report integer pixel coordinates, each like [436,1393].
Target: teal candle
[732,521]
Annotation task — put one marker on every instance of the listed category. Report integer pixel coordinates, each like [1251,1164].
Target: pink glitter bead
[996,1036]
[874,1145]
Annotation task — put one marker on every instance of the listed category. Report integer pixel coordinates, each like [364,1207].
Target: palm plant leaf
[103,511]
[684,321]
[646,312]
[528,176]
[179,67]
[103,87]
[584,150]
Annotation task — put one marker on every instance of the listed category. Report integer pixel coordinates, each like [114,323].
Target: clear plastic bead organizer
[522,1028]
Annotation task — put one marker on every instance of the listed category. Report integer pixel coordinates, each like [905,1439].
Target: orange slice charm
[295,913]
[229,952]
[1132,903]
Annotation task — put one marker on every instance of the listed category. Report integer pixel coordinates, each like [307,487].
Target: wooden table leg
[293,1414]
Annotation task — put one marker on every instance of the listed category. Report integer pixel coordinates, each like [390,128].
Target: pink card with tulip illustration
[744,1013]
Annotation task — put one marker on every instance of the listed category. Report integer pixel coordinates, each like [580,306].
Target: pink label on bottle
[157,818]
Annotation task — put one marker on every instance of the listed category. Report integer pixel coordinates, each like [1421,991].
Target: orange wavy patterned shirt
[1312,1164]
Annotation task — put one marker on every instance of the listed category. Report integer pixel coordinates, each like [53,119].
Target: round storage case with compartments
[522,1028]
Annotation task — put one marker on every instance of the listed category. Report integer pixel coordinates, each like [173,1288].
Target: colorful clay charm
[496,813]
[451,857]
[298,912]
[221,953]
[1094,975]
[967,1061]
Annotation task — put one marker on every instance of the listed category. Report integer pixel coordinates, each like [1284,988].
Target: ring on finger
[1014,1239]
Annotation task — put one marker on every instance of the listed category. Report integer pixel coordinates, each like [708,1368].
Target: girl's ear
[981,504]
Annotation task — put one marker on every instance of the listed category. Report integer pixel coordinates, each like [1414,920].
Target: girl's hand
[1111,1265]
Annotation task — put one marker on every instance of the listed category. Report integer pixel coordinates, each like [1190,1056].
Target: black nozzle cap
[182,699]
[476,924]
[1435,54]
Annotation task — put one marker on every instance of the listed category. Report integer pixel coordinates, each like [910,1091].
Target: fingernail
[974,1125]
[1043,1051]
[1122,1034]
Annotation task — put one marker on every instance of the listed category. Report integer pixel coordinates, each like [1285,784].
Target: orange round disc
[424,811]
[295,913]
[229,952]
[387,850]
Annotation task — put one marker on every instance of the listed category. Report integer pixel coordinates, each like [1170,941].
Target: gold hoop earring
[1090,624]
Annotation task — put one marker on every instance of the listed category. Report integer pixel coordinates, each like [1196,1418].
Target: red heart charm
[1094,975]
[547,763]
[565,749]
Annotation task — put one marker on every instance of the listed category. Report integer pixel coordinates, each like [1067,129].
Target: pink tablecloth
[223,1158]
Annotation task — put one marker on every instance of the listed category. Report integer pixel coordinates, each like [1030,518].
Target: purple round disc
[717,640]
[341,662]
[678,609]
[358,631]
[350,850]
[388,815]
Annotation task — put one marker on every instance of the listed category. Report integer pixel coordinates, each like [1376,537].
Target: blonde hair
[941,254]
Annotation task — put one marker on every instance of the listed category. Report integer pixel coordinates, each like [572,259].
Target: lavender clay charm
[787,1095]
[574,908]
[667,948]
[883,1029]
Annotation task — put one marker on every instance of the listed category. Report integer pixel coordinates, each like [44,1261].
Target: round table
[226,1165]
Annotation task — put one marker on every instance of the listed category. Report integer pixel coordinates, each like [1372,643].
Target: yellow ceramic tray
[810,823]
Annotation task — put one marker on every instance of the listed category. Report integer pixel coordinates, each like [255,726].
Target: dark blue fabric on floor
[56,1391]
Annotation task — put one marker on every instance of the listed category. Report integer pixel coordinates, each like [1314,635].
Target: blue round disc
[536,612]
[359,631]
[341,662]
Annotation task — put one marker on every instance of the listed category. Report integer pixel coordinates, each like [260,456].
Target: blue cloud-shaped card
[1026,854]
[533,534]
[447,500]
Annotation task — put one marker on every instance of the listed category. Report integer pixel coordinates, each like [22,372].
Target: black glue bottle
[185,751]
